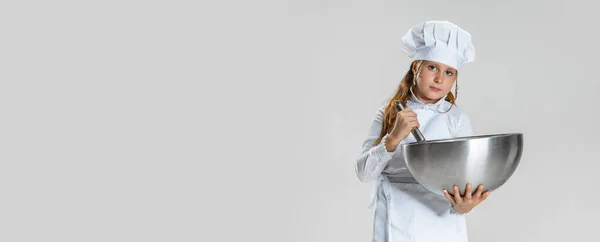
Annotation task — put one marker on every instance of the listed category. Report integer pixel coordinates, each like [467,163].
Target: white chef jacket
[409,212]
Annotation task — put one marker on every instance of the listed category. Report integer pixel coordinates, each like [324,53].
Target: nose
[439,78]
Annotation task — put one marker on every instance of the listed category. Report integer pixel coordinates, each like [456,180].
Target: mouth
[435,89]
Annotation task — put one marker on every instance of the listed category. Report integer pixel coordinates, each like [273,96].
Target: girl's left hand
[464,204]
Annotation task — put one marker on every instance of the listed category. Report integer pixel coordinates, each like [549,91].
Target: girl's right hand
[406,121]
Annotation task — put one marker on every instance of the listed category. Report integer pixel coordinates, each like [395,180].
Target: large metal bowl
[489,160]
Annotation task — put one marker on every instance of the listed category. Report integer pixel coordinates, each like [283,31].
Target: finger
[407,114]
[403,118]
[410,119]
[410,122]
[449,197]
[457,196]
[468,191]
[479,191]
[414,123]
[407,110]
[484,196]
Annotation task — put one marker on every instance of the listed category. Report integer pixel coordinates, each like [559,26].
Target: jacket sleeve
[373,158]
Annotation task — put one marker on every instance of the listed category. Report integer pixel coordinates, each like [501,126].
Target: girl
[405,210]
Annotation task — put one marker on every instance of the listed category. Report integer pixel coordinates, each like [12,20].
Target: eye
[449,73]
[432,68]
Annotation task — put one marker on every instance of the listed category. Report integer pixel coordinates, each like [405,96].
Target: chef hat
[439,41]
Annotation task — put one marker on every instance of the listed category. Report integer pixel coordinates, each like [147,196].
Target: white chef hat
[439,41]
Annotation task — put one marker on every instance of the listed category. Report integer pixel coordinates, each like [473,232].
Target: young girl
[405,210]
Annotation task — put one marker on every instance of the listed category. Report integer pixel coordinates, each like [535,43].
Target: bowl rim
[466,138]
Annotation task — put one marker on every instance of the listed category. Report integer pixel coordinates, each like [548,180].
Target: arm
[373,159]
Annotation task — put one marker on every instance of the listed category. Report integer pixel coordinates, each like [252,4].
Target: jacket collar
[415,103]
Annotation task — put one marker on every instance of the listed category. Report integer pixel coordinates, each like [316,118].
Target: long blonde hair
[402,94]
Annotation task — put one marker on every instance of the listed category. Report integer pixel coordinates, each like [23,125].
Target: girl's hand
[464,204]
[406,121]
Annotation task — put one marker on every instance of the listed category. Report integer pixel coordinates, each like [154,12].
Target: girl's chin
[433,96]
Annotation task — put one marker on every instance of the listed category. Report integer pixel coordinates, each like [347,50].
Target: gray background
[241,121]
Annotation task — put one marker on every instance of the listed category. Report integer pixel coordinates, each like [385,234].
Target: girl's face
[435,81]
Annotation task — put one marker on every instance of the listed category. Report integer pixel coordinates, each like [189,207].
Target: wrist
[461,211]
[391,143]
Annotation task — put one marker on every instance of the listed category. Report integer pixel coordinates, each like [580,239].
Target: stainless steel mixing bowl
[489,160]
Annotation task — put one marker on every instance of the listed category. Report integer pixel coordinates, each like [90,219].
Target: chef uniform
[405,210]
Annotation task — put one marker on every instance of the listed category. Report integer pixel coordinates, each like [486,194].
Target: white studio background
[241,121]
